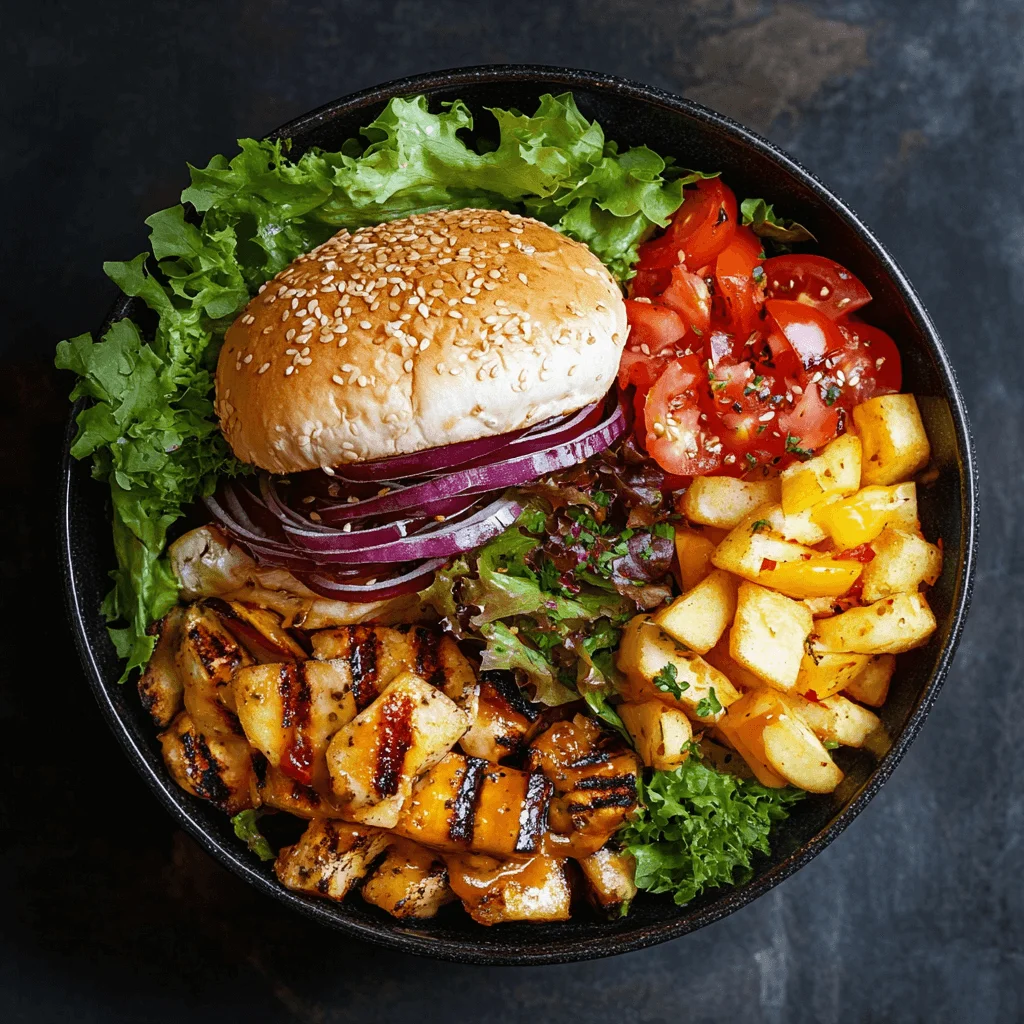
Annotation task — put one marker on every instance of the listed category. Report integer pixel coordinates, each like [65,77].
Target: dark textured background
[913,112]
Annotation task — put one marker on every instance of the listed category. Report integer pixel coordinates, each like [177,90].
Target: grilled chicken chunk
[594,775]
[274,789]
[375,759]
[610,880]
[410,882]
[503,718]
[493,891]
[289,712]
[464,803]
[208,658]
[258,630]
[377,654]
[329,858]
[160,685]
[217,768]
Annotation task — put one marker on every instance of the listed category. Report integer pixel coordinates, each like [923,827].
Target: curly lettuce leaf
[761,218]
[150,428]
[697,828]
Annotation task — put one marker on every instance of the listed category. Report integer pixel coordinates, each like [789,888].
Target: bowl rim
[393,934]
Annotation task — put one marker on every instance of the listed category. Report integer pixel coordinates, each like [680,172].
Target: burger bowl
[632,114]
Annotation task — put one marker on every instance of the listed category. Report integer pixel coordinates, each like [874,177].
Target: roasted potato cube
[792,749]
[375,759]
[725,758]
[902,562]
[753,543]
[833,473]
[854,724]
[800,528]
[894,439]
[817,715]
[871,684]
[207,660]
[609,875]
[724,500]
[411,882]
[699,617]
[217,767]
[743,725]
[643,655]
[329,858]
[889,626]
[160,685]
[277,790]
[812,577]
[860,518]
[719,656]
[503,718]
[823,673]
[693,552]
[290,711]
[660,733]
[493,891]
[464,803]
[768,635]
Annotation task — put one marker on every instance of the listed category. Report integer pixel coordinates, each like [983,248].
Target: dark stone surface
[912,111]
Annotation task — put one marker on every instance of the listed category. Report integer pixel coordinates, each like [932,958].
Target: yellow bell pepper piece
[812,577]
[860,518]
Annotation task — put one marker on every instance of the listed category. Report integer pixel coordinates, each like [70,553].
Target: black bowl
[697,137]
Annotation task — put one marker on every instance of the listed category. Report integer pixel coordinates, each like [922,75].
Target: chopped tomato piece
[810,424]
[737,291]
[676,437]
[815,281]
[869,364]
[650,283]
[688,295]
[639,370]
[811,334]
[701,228]
[653,325]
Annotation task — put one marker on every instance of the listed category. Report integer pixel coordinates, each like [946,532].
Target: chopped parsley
[793,447]
[666,679]
[758,525]
[831,744]
[709,705]
[244,824]
[832,392]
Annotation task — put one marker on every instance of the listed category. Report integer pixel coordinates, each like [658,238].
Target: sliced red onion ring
[379,590]
[442,541]
[497,476]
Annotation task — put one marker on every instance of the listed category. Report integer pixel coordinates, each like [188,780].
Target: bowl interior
[631,115]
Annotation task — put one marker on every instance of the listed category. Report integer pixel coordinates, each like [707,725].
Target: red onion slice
[379,590]
[446,539]
[493,477]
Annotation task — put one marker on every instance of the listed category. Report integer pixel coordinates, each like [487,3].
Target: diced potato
[721,659]
[823,673]
[860,518]
[643,655]
[871,684]
[800,527]
[819,576]
[768,634]
[723,757]
[792,749]
[747,547]
[889,626]
[902,562]
[743,726]
[723,500]
[833,473]
[894,439]
[329,858]
[660,733]
[610,878]
[693,552]
[493,891]
[818,716]
[375,759]
[854,724]
[699,617]
[411,882]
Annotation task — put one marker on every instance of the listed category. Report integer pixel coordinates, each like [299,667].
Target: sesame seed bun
[425,331]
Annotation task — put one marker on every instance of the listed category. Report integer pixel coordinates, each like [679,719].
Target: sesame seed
[407,366]
[264,368]
[289,370]
[247,359]
[494,274]
[337,379]
[365,324]
[766,416]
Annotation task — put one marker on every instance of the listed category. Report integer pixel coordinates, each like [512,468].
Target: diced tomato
[815,281]
[773,353]
[649,283]
[811,334]
[676,438]
[870,365]
[861,553]
[701,228]
[688,295]
[653,325]
[810,424]
[639,370]
[737,291]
